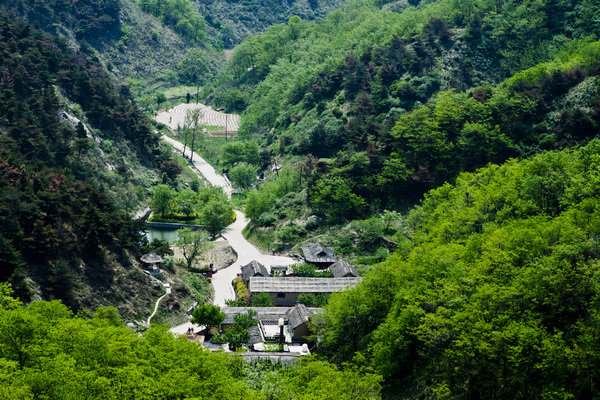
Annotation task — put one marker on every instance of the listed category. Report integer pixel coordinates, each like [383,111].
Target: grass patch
[260,238]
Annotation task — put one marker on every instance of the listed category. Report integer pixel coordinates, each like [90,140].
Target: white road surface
[245,250]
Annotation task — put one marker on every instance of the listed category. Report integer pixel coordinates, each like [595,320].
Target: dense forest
[48,352]
[76,158]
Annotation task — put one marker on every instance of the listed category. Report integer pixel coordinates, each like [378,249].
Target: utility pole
[225,126]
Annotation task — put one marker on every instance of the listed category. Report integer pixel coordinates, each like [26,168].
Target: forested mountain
[496,298]
[235,20]
[399,102]
[76,157]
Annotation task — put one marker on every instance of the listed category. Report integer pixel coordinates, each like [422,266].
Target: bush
[261,300]
[169,264]
[303,269]
[311,225]
[267,219]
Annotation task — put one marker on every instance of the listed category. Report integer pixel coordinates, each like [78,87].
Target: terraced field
[175,117]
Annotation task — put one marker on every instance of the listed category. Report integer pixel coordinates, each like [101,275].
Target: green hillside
[497,296]
[77,158]
[448,148]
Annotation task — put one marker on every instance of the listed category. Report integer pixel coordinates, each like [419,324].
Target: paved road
[204,168]
[245,250]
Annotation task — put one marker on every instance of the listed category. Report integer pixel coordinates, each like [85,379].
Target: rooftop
[299,284]
[342,269]
[317,253]
[254,268]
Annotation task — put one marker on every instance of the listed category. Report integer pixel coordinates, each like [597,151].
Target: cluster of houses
[287,321]
[285,290]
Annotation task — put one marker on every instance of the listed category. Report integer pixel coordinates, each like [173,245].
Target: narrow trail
[168,287]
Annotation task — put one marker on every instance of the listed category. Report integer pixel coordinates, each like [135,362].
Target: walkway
[245,250]
[166,285]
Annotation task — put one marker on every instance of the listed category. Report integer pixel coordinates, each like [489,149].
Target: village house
[343,269]
[295,323]
[254,268]
[319,255]
[286,290]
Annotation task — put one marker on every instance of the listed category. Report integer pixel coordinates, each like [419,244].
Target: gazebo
[152,259]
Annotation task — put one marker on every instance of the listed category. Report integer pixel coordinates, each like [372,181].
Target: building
[254,268]
[343,269]
[319,255]
[297,318]
[286,290]
[295,321]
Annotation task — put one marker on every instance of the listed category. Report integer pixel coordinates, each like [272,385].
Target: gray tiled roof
[317,253]
[298,315]
[295,284]
[254,268]
[342,269]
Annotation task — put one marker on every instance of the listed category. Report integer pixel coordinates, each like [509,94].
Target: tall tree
[192,242]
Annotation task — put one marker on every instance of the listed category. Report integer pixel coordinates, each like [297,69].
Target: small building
[267,329]
[286,290]
[343,269]
[298,317]
[319,255]
[254,268]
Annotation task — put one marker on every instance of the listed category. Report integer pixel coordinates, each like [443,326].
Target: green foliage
[261,300]
[199,287]
[208,315]
[312,300]
[181,15]
[192,243]
[499,282]
[243,176]
[45,351]
[240,152]
[194,67]
[216,215]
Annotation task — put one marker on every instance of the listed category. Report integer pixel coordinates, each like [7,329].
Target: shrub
[261,300]
[267,219]
[311,225]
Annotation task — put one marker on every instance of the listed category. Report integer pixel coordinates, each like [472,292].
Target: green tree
[160,98]
[208,315]
[162,199]
[243,176]
[216,215]
[192,243]
[191,125]
[334,196]
[187,202]
[261,300]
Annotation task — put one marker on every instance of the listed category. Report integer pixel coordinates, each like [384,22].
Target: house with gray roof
[343,269]
[267,329]
[319,255]
[286,290]
[254,268]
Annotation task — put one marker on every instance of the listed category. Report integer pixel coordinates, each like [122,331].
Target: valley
[447,150]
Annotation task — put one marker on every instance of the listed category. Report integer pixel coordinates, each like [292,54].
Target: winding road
[245,250]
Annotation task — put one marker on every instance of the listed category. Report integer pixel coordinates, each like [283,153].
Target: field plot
[175,117]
